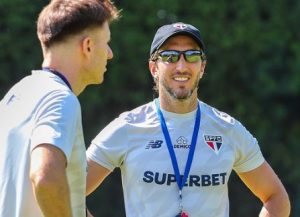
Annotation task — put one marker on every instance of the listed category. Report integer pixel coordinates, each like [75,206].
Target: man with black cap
[176,153]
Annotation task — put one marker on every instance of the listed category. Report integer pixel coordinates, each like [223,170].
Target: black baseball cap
[167,31]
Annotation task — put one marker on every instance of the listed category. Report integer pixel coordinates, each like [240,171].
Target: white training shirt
[135,143]
[39,109]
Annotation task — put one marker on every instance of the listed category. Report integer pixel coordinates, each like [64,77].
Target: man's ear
[86,46]
[153,69]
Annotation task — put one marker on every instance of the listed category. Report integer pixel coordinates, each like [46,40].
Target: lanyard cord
[179,179]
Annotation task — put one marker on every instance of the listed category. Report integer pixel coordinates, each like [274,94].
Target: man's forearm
[54,199]
[49,181]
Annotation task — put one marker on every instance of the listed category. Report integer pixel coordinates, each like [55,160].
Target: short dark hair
[62,18]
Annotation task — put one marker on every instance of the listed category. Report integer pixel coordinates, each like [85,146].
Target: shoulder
[52,96]
[64,98]
[226,124]
[217,119]
[42,84]
[119,127]
[139,114]
[41,91]
[216,115]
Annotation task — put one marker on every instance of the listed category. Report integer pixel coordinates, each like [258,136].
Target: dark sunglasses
[173,56]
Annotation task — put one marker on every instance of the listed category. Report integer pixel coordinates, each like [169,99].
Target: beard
[180,93]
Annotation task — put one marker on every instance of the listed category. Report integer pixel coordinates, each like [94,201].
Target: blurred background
[252,74]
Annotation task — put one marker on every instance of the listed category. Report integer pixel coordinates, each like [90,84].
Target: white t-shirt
[39,109]
[135,143]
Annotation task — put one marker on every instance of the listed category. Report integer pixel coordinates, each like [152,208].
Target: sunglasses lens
[192,56]
[169,56]
[172,56]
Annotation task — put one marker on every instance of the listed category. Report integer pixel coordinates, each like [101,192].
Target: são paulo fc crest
[214,142]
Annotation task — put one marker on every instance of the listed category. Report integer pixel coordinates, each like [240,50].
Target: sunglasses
[173,56]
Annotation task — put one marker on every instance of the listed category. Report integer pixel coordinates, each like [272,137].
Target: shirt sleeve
[56,121]
[109,148]
[248,153]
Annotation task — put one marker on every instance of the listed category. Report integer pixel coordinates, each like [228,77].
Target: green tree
[19,47]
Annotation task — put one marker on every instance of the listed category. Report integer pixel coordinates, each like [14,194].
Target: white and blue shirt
[134,142]
[39,109]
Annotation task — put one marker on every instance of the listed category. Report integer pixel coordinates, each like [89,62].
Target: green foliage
[19,47]
[252,73]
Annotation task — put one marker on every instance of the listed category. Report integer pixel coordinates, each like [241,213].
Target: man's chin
[96,82]
[100,80]
[181,95]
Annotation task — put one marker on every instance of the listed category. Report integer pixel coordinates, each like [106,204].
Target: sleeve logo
[224,116]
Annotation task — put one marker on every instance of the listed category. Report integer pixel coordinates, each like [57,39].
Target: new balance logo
[154,144]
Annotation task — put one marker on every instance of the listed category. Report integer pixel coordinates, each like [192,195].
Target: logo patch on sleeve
[214,142]
[224,116]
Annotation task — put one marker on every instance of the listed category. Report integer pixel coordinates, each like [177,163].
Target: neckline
[59,74]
